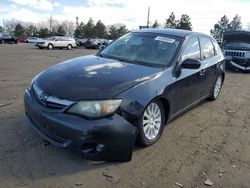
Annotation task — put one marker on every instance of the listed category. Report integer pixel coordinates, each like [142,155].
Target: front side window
[207,48]
[192,49]
[146,48]
[216,47]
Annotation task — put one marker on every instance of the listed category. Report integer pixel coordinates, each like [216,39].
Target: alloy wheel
[152,121]
[217,87]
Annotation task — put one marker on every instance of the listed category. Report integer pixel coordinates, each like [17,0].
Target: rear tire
[151,124]
[50,46]
[217,88]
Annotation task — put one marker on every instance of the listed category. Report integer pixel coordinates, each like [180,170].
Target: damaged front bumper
[242,66]
[109,139]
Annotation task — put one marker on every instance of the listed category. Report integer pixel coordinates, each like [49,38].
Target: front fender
[137,98]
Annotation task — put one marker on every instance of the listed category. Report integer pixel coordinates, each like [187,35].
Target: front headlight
[94,109]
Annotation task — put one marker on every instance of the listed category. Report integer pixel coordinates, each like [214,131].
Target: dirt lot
[211,141]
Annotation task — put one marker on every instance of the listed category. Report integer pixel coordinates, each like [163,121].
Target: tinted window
[192,49]
[207,48]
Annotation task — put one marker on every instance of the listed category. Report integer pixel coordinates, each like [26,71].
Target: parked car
[104,44]
[33,40]
[236,48]
[80,41]
[5,38]
[57,42]
[22,39]
[100,104]
[92,44]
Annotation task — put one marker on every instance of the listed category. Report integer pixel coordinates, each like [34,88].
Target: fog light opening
[99,147]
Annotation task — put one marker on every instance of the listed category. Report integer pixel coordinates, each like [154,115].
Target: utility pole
[148,17]
[3,27]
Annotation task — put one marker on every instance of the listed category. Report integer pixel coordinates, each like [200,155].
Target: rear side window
[192,49]
[207,48]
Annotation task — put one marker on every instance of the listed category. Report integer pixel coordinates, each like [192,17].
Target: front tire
[217,88]
[69,47]
[50,46]
[151,124]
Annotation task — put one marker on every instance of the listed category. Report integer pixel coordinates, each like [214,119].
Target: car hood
[243,36]
[92,77]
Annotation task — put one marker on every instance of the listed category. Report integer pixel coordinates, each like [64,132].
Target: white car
[33,39]
[57,42]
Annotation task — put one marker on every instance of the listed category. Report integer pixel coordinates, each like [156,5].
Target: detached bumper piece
[109,139]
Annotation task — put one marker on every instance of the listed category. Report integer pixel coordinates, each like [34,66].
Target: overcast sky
[204,13]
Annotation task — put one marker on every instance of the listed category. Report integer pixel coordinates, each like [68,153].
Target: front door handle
[202,72]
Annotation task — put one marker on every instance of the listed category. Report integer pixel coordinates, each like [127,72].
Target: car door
[59,42]
[209,63]
[189,81]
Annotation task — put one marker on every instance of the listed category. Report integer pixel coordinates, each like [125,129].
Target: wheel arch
[50,44]
[166,106]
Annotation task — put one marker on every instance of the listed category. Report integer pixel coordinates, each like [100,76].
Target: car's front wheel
[69,47]
[50,46]
[151,124]
[217,88]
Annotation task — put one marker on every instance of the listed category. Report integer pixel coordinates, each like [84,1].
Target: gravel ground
[210,141]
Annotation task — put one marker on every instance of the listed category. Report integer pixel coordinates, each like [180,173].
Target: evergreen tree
[235,24]
[19,30]
[61,30]
[88,29]
[100,30]
[184,23]
[155,24]
[220,27]
[44,32]
[79,32]
[171,22]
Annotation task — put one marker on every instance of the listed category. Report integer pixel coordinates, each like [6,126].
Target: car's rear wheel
[217,88]
[50,46]
[151,124]
[69,47]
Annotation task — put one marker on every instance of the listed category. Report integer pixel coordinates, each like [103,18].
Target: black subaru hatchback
[101,104]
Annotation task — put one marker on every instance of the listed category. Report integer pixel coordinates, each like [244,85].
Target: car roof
[174,32]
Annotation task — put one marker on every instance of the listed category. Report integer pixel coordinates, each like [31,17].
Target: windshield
[238,45]
[146,48]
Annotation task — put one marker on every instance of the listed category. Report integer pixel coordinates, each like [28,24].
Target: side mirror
[191,64]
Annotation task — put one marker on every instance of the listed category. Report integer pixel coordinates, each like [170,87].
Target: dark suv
[236,48]
[100,104]
[5,38]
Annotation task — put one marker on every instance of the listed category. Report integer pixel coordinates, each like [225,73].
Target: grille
[235,53]
[48,100]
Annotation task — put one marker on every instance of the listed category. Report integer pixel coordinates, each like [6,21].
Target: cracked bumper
[109,139]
